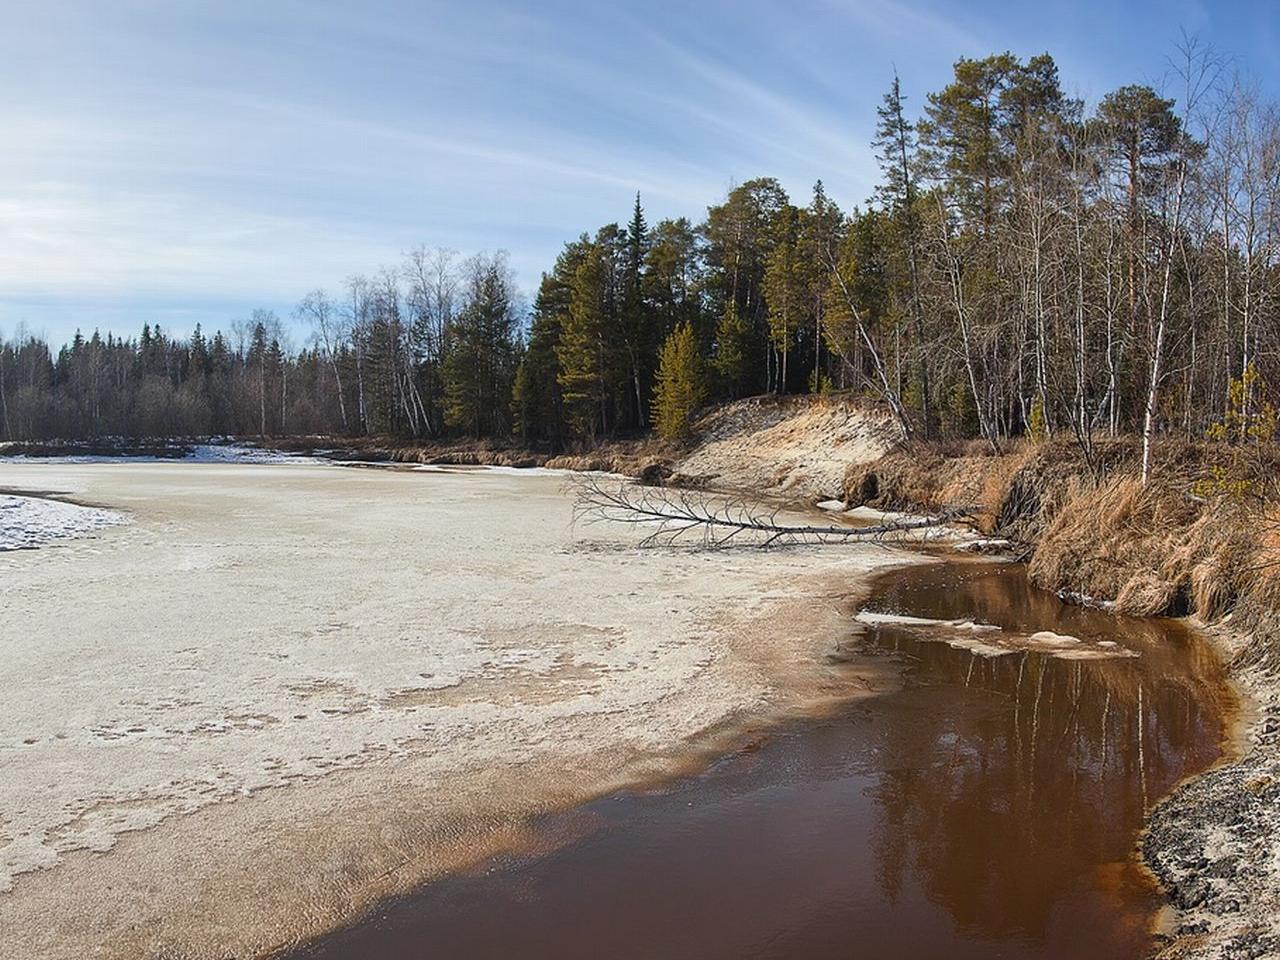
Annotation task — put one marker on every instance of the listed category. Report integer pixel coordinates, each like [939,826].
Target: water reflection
[1009,811]
[988,809]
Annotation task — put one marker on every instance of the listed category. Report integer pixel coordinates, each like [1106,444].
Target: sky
[183,161]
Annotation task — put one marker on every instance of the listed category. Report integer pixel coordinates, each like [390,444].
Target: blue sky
[180,161]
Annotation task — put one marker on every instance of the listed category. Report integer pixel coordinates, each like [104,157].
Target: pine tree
[1141,132]
[822,229]
[481,362]
[673,280]
[681,387]
[739,235]
[895,138]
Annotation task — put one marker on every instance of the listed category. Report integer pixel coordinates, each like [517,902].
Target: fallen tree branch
[719,520]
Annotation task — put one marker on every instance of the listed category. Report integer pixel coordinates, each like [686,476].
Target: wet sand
[282,692]
[988,808]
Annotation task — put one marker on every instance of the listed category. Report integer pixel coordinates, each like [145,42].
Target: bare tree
[318,311]
[356,317]
[721,520]
[1198,69]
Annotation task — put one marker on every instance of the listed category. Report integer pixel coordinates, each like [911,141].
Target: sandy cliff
[798,447]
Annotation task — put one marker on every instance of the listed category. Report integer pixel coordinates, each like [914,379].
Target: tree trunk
[1157,354]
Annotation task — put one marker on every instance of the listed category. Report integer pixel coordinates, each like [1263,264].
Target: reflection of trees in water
[999,803]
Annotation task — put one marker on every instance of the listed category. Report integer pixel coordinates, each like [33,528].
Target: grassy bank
[1190,541]
[1097,532]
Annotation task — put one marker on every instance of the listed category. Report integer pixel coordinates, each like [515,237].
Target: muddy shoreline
[1212,842]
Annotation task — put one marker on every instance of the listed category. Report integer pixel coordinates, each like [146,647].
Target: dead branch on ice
[719,519]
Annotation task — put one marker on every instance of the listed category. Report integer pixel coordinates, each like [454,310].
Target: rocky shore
[1213,842]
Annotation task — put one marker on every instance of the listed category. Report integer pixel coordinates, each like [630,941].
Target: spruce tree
[733,350]
[681,387]
[637,326]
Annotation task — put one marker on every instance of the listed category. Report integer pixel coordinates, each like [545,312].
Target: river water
[988,808]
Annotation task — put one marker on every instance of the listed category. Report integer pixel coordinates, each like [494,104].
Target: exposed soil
[797,447]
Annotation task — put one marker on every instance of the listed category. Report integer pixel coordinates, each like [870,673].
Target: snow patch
[494,469]
[197,453]
[897,619]
[872,515]
[89,458]
[237,453]
[27,522]
[1084,600]
[985,545]
[959,634]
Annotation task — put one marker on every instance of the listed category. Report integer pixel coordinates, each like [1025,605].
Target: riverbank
[393,672]
[787,449]
[1090,533]
[1095,534]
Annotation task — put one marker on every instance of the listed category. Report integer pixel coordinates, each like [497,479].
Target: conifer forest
[1028,263]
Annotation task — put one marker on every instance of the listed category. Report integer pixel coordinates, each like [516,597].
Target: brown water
[987,809]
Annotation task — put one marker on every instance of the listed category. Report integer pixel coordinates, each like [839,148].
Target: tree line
[1025,266]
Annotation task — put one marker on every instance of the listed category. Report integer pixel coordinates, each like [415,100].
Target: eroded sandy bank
[282,691]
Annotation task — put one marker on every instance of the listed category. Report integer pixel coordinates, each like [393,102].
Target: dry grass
[1211,593]
[1257,608]
[1098,531]
[1140,545]
[925,475]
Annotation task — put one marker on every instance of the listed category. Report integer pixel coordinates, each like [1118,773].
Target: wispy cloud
[66,238]
[182,160]
[900,24]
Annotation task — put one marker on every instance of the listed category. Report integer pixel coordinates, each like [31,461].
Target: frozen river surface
[279,691]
